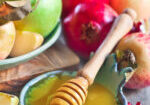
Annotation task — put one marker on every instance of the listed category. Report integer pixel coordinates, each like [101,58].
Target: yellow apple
[7,39]
[26,42]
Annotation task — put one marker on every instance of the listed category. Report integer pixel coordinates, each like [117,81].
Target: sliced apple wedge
[7,39]
[7,99]
[26,42]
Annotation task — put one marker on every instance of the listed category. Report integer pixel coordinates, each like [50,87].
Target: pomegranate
[138,103]
[137,27]
[139,45]
[87,26]
[129,103]
[69,5]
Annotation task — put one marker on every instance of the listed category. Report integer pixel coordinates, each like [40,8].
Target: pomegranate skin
[97,20]
[139,44]
[136,28]
[69,5]
[139,80]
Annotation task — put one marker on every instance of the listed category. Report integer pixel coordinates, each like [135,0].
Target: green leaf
[113,79]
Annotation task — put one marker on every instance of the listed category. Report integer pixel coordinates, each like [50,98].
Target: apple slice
[26,42]
[7,39]
[7,99]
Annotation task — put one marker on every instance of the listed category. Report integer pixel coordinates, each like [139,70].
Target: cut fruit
[7,99]
[26,42]
[7,39]
[139,44]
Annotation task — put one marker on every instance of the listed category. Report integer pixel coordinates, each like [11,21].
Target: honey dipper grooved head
[74,92]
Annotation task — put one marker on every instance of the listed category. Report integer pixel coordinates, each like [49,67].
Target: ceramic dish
[109,76]
[49,41]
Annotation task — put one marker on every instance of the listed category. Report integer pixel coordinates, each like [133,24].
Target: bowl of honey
[106,90]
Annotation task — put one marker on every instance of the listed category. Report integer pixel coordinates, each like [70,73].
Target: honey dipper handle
[122,25]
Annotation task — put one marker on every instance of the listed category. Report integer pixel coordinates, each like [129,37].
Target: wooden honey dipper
[74,92]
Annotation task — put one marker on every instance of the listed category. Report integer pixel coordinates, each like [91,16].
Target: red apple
[87,26]
[69,5]
[142,7]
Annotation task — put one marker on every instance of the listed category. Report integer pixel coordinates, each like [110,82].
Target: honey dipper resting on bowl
[74,92]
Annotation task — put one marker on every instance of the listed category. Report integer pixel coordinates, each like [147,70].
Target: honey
[41,93]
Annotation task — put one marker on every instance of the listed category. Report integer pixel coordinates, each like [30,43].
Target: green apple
[43,19]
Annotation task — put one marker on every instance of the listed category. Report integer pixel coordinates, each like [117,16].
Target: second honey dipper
[74,92]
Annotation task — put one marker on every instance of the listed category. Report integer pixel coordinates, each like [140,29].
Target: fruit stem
[125,59]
